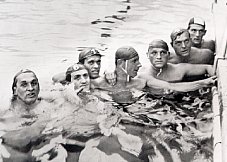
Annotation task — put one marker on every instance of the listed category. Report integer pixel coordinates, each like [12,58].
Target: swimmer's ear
[147,54]
[14,91]
[121,63]
[204,32]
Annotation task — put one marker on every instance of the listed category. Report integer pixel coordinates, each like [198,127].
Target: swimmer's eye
[98,62]
[76,77]
[23,84]
[177,43]
[34,83]
[186,41]
[163,53]
[85,76]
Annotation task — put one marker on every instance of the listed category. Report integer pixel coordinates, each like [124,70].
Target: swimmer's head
[177,32]
[196,28]
[78,75]
[129,58]
[91,59]
[25,86]
[181,42]
[158,53]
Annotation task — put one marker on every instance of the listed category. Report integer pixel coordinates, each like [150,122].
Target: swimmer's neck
[157,71]
[21,107]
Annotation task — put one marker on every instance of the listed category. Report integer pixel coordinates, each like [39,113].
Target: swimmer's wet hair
[177,32]
[15,80]
[73,68]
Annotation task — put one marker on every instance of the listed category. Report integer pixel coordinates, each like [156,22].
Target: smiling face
[133,66]
[27,88]
[81,79]
[158,57]
[182,44]
[93,65]
[196,33]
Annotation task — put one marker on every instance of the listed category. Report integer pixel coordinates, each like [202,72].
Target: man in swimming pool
[127,65]
[91,59]
[185,53]
[160,70]
[196,28]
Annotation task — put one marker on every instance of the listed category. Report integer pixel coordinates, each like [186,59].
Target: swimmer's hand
[111,77]
[210,81]
[71,94]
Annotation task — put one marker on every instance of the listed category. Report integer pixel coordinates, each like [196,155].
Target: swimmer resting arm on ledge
[180,86]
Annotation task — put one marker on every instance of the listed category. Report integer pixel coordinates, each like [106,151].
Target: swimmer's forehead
[26,77]
[80,72]
[158,44]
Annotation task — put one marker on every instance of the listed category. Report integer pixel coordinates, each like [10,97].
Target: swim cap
[88,52]
[73,68]
[125,53]
[177,32]
[196,20]
[158,43]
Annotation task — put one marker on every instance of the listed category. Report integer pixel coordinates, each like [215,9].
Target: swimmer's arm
[198,69]
[182,86]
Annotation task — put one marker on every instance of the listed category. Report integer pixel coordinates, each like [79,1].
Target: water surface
[47,35]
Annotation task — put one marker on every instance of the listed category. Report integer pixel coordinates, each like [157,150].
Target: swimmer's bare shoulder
[173,58]
[209,44]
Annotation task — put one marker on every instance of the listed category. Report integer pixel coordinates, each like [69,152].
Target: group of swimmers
[193,57]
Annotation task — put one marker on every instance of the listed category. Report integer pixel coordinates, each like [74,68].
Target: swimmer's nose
[183,45]
[30,87]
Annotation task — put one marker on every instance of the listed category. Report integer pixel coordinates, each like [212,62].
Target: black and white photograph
[113,81]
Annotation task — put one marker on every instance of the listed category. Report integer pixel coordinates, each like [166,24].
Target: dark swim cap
[88,52]
[73,68]
[158,43]
[125,53]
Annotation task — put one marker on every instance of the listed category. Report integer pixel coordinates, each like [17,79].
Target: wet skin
[81,79]
[182,45]
[93,65]
[158,57]
[27,88]
[196,33]
[133,66]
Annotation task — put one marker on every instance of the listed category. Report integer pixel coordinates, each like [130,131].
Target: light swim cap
[158,43]
[125,53]
[197,20]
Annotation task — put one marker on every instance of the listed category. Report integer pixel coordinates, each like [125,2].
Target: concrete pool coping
[219,102]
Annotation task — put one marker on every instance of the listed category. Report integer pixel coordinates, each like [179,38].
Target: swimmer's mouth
[31,95]
[95,71]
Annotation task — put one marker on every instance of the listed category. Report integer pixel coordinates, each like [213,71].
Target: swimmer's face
[27,88]
[93,65]
[182,45]
[81,79]
[196,33]
[158,57]
[133,66]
